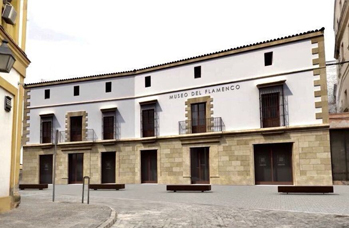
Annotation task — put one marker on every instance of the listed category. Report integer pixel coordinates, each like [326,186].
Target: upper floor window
[149,118]
[76,90]
[148,123]
[198,117]
[76,128]
[46,129]
[197,72]
[109,120]
[147,81]
[47,94]
[272,106]
[108,87]
[268,58]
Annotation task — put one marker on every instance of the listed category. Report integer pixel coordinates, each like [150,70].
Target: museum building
[255,114]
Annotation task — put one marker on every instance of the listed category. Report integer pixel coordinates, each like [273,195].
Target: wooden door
[76,128]
[108,167]
[198,117]
[199,159]
[46,169]
[149,171]
[273,163]
[75,168]
[339,139]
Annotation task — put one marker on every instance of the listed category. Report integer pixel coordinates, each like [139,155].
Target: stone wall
[231,158]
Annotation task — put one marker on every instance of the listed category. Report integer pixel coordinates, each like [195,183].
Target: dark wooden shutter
[148,123]
[46,131]
[198,117]
[108,127]
[76,128]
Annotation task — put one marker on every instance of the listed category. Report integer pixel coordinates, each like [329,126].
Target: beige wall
[231,158]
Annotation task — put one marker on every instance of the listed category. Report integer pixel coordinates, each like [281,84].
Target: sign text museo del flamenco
[205,91]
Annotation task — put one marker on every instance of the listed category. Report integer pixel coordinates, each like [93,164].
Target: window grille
[273,107]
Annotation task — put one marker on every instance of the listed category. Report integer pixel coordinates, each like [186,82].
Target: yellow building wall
[13,83]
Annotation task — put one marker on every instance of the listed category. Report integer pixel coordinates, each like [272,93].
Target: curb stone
[110,221]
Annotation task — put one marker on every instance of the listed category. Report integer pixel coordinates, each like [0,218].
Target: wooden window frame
[72,130]
[199,124]
[108,115]
[276,112]
[43,121]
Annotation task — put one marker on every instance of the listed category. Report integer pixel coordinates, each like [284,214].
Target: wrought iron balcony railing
[212,124]
[77,136]
[47,136]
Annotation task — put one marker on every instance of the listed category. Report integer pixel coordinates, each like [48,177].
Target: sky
[78,38]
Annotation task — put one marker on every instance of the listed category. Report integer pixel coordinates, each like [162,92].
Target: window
[46,129]
[47,94]
[109,125]
[272,106]
[197,72]
[148,127]
[147,81]
[198,117]
[268,58]
[76,128]
[76,90]
[108,87]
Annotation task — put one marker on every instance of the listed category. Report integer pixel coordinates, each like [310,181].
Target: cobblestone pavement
[40,212]
[225,206]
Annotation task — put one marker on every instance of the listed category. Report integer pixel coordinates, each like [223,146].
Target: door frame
[157,166]
[208,165]
[102,165]
[273,182]
[75,182]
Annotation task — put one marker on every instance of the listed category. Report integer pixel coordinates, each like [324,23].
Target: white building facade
[256,114]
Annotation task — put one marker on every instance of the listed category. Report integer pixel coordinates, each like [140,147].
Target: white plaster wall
[89,91]
[289,57]
[125,117]
[239,108]
[6,120]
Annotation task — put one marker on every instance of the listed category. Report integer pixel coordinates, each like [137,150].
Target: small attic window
[268,58]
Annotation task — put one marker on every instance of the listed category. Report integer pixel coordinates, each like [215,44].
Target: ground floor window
[75,168]
[149,173]
[273,163]
[199,162]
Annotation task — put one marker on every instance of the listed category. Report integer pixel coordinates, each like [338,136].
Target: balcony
[74,136]
[213,124]
[47,136]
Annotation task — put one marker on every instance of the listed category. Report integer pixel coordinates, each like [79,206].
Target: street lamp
[6,57]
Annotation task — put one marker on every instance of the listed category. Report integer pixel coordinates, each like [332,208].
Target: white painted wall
[6,121]
[239,108]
